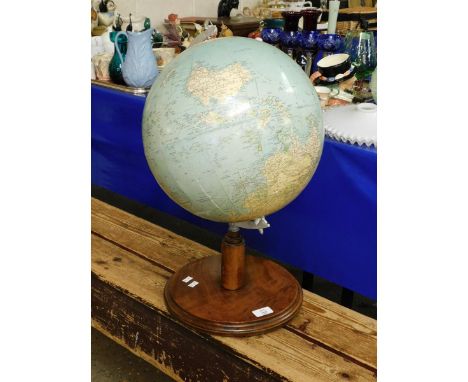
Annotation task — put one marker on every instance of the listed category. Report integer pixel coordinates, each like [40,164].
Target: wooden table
[131,262]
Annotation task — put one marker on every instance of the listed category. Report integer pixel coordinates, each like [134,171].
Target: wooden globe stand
[233,294]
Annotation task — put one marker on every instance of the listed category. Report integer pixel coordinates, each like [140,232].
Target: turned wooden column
[233,260]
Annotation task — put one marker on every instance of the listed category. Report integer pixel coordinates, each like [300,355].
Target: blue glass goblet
[308,41]
[330,43]
[271,30]
[271,35]
[289,38]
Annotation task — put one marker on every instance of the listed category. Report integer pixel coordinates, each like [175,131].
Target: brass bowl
[99,30]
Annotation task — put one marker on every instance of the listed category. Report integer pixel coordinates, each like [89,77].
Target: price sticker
[262,311]
[187,279]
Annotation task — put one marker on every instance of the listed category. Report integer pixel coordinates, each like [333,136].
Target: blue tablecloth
[330,230]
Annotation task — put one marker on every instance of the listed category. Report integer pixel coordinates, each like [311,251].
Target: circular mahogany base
[209,307]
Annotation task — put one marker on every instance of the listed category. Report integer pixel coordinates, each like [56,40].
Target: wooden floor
[131,262]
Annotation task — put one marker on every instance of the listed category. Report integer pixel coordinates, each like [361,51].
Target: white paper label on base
[187,279]
[262,311]
[193,284]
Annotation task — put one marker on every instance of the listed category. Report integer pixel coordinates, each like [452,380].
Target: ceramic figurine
[102,6]
[110,6]
[106,18]
[225,31]
[225,7]
[105,14]
[172,35]
[209,32]
[174,24]
[210,29]
[139,68]
[257,35]
[186,43]
[198,29]
[173,18]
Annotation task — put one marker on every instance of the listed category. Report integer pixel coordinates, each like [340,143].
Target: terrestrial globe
[232,129]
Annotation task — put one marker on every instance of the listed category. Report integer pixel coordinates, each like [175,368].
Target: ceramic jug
[139,68]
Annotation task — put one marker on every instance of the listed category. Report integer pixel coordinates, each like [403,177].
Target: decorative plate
[356,123]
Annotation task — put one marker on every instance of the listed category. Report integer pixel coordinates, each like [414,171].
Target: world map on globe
[232,129]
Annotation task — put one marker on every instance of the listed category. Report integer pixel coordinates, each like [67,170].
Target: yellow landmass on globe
[268,109]
[286,173]
[213,118]
[206,84]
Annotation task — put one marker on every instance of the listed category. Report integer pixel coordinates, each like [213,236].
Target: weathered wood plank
[320,320]
[170,347]
[279,353]
[168,244]
[338,328]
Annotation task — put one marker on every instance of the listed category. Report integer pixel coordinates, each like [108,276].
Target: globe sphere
[232,129]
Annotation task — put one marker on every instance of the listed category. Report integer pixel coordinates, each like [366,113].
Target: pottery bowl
[334,64]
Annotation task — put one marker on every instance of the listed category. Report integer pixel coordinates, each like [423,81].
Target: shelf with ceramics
[109,66]
[296,31]
[112,63]
[354,51]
